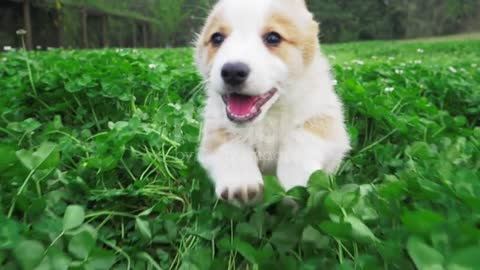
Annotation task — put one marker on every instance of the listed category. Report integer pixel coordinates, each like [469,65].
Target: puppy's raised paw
[242,195]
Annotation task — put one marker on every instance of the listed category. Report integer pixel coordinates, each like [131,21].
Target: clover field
[98,168]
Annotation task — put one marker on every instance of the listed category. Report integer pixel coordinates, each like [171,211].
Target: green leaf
[345,198]
[171,228]
[246,230]
[318,181]
[3,256]
[265,254]
[146,212]
[424,256]
[314,237]
[285,237]
[81,244]
[422,221]
[143,227]
[27,126]
[100,259]
[29,254]
[7,152]
[299,195]
[10,234]
[273,191]
[73,217]
[247,250]
[360,231]
[33,160]
[58,260]
[465,259]
[336,229]
[37,207]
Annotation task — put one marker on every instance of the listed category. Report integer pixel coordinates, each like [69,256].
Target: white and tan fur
[300,130]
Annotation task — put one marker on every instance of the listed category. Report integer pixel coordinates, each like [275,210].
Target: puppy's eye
[272,39]
[217,39]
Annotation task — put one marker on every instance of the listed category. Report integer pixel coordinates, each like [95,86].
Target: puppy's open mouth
[243,108]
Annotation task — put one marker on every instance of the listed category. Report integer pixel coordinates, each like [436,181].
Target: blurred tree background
[347,20]
[173,23]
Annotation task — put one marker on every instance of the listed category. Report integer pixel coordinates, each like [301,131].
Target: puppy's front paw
[241,193]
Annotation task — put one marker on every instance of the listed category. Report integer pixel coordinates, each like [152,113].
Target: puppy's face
[249,50]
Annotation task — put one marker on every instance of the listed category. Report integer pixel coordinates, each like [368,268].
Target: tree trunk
[59,28]
[134,34]
[145,35]
[84,28]
[28,24]
[105,41]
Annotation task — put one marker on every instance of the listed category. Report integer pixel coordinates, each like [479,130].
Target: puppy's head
[248,50]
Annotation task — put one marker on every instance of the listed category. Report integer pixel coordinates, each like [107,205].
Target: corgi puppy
[271,107]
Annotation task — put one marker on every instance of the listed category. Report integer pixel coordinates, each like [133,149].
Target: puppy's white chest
[266,138]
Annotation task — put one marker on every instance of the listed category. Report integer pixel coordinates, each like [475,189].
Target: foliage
[174,22]
[347,20]
[98,169]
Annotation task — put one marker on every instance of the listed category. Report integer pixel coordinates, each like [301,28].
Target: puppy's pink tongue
[241,105]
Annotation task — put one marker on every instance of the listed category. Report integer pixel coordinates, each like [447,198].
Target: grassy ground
[456,37]
[98,170]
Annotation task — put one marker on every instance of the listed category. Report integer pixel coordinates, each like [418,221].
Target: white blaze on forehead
[243,15]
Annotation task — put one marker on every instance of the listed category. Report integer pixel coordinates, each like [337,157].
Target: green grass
[455,37]
[98,169]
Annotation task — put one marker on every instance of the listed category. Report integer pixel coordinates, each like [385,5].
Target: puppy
[271,106]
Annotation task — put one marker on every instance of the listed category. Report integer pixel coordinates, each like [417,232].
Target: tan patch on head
[215,24]
[305,39]
[324,127]
[216,138]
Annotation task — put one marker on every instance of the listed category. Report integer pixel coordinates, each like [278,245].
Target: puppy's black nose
[234,74]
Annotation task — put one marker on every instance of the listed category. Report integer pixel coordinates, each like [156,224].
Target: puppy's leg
[232,165]
[320,144]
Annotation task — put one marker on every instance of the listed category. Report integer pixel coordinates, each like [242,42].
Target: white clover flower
[399,71]
[474,65]
[420,50]
[418,62]
[335,82]
[391,58]
[21,32]
[7,48]
[348,68]
[452,69]
[359,62]
[4,59]
[389,89]
[135,51]
[152,66]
